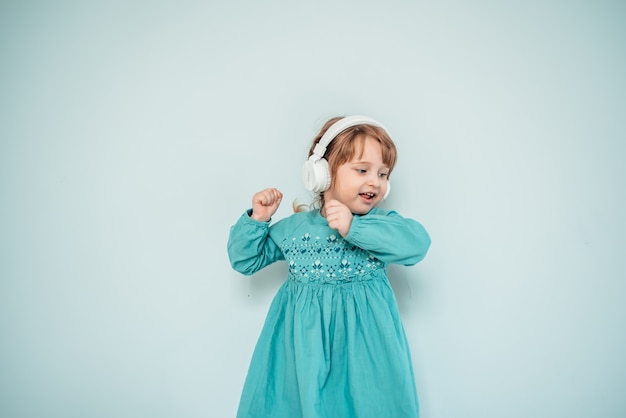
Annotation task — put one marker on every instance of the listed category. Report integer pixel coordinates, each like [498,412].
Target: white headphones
[315,171]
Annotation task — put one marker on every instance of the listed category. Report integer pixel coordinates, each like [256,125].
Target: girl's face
[360,184]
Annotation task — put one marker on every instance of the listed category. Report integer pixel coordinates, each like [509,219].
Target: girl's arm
[249,246]
[390,237]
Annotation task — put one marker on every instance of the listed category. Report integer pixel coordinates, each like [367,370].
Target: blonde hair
[344,147]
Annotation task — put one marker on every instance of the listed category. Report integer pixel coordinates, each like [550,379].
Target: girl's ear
[316,175]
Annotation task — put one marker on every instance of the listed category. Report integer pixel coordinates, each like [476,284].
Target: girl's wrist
[252,215]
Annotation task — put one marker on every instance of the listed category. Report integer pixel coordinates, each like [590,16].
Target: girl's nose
[374,179]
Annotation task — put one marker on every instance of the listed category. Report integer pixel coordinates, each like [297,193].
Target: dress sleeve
[250,248]
[390,237]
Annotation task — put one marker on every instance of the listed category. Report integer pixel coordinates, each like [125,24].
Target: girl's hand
[338,216]
[265,203]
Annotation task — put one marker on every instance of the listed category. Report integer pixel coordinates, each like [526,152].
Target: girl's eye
[361,170]
[383,174]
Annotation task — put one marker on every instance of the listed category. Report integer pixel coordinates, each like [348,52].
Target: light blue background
[133,134]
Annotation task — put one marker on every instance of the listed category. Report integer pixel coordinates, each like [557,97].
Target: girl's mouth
[367,196]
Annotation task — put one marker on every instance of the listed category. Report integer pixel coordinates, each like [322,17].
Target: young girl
[333,344]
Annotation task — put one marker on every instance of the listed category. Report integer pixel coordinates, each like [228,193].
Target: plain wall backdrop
[134,133]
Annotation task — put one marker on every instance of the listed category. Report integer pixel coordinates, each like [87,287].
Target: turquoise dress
[333,345]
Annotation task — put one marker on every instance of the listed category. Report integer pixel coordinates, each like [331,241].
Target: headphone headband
[337,128]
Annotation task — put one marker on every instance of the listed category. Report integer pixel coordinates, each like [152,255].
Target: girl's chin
[362,209]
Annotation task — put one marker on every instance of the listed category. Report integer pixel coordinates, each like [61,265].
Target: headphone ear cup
[387,191]
[316,175]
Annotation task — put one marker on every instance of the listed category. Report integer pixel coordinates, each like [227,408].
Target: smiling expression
[361,183]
